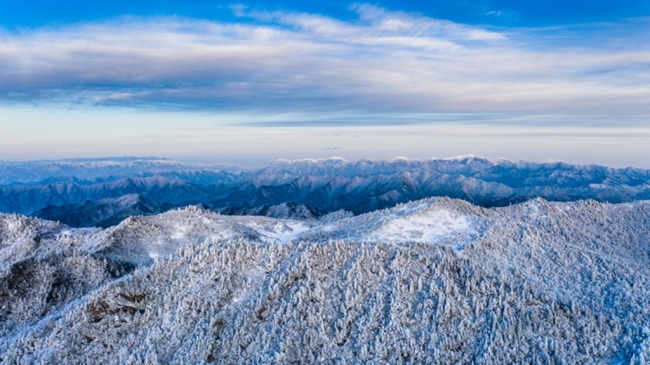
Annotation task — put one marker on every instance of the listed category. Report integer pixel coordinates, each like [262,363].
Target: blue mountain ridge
[103,192]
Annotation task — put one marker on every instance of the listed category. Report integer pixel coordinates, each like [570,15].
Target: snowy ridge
[325,185]
[430,226]
[282,211]
[432,281]
[103,213]
[87,171]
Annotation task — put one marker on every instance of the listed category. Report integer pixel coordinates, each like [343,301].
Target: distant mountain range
[111,211]
[103,192]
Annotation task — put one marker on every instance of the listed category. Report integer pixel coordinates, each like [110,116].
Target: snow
[283,232]
[326,184]
[312,161]
[179,233]
[429,227]
[597,186]
[431,281]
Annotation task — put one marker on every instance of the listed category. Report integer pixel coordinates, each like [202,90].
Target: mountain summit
[432,281]
[50,189]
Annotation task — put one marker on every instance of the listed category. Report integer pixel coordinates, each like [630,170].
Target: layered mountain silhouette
[103,213]
[49,189]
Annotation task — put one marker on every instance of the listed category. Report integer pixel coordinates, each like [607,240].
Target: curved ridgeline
[434,281]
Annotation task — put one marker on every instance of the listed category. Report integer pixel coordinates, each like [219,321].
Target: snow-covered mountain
[326,185]
[103,213]
[433,281]
[111,211]
[281,211]
[92,171]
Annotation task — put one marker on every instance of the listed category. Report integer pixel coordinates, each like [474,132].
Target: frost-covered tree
[434,281]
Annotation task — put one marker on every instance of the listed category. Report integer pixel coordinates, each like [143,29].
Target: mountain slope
[433,281]
[327,185]
[105,170]
[103,213]
[281,211]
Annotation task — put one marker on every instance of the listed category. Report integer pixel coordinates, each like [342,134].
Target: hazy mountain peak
[326,185]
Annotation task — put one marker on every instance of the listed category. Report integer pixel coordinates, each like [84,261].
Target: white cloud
[382,62]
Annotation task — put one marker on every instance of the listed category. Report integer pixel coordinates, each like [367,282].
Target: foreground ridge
[434,281]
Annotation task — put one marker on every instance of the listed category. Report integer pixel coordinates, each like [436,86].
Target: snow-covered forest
[432,281]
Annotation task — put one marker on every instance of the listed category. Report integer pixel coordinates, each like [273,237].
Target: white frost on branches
[434,281]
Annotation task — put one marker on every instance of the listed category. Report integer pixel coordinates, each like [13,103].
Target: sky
[251,82]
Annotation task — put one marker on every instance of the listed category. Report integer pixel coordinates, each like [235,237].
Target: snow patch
[283,231]
[180,232]
[432,226]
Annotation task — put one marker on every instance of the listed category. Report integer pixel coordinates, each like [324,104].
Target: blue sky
[508,13]
[250,82]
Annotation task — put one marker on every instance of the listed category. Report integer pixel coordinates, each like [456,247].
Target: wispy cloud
[382,61]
